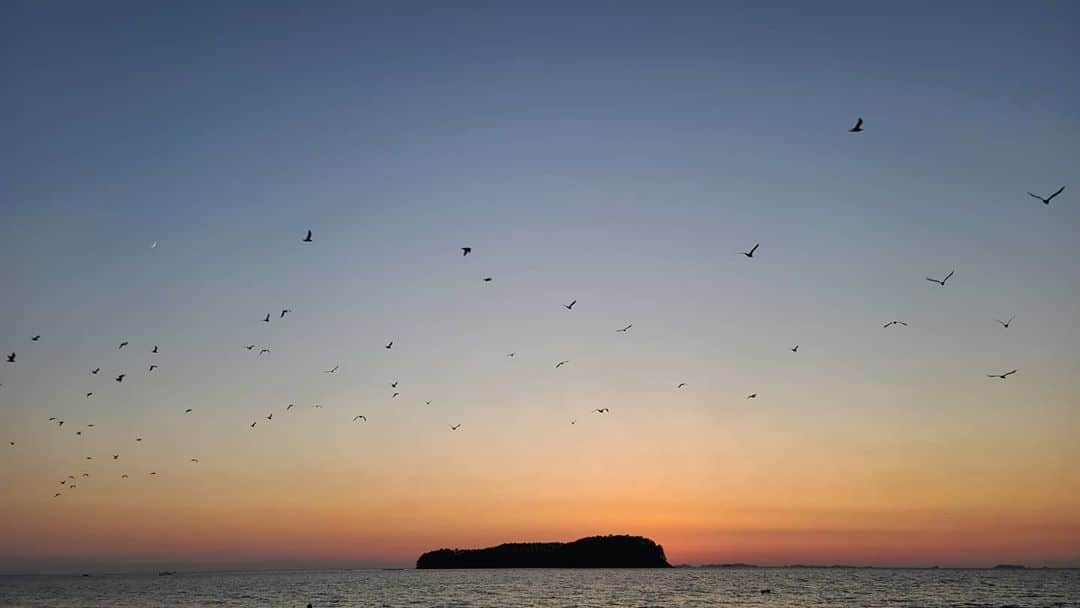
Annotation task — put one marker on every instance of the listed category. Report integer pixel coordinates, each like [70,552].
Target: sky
[617,154]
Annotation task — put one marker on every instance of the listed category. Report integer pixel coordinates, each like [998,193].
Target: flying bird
[601,410]
[488,279]
[35,338]
[290,406]
[857,128]
[187,411]
[795,349]
[284,311]
[570,306]
[122,345]
[560,364]
[95,371]
[333,370]
[393,384]
[88,395]
[455,427]
[155,350]
[120,378]
[153,245]
[317,406]
[466,251]
[427,403]
[573,422]
[116,457]
[266,319]
[389,345]
[891,323]
[625,329]
[153,472]
[1046,201]
[250,346]
[394,395]
[152,367]
[941,283]
[680,385]
[1002,376]
[750,253]
[195,460]
[1006,324]
[124,476]
[752,396]
[252,425]
[11,358]
[270,417]
[511,355]
[264,351]
[138,439]
[364,418]
[307,238]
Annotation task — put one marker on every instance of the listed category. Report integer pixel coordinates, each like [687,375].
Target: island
[617,551]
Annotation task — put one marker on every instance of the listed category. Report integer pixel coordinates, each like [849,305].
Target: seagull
[389,345]
[891,323]
[307,239]
[120,378]
[394,395]
[88,395]
[560,364]
[153,472]
[152,367]
[795,349]
[59,423]
[155,351]
[752,396]
[511,355]
[857,128]
[116,457]
[941,283]
[466,251]
[680,385]
[573,422]
[122,345]
[138,439]
[57,495]
[364,418]
[601,410]
[1046,201]
[750,253]
[270,417]
[264,351]
[488,279]
[35,338]
[455,427]
[625,329]
[427,403]
[252,425]
[1002,376]
[95,371]
[124,476]
[570,306]
[1006,324]
[250,346]
[284,311]
[78,433]
[187,411]
[195,460]
[290,406]
[266,319]
[393,384]
[11,358]
[332,371]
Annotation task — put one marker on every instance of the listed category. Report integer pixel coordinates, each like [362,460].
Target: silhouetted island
[592,552]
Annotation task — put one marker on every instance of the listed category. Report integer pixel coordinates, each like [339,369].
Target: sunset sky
[619,154]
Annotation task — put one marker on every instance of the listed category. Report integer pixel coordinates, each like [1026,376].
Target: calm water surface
[557,588]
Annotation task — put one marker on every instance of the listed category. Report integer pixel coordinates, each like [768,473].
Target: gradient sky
[619,154]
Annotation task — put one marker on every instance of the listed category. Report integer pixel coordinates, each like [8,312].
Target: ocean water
[790,587]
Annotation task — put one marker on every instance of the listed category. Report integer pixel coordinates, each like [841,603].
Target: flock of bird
[68,483]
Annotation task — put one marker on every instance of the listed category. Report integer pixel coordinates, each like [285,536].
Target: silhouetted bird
[601,410]
[1006,324]
[264,351]
[155,350]
[95,371]
[394,395]
[88,395]
[153,472]
[389,345]
[290,406]
[511,355]
[680,385]
[57,495]
[152,367]
[252,425]
[124,476]
[857,128]
[250,346]
[11,443]
[455,427]
[317,406]
[1046,201]
[266,319]
[78,433]
[138,439]
[270,417]
[941,283]
[188,411]
[427,403]
[195,460]
[11,358]
[35,338]
[795,349]
[332,370]
[122,345]
[120,378]
[307,238]
[393,384]
[284,312]
[364,418]
[488,279]
[891,323]
[466,251]
[1002,376]
[153,245]
[750,253]
[573,422]
[752,396]
[116,457]
[625,329]
[560,364]
[570,306]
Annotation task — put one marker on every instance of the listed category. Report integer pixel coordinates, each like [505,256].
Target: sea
[733,587]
